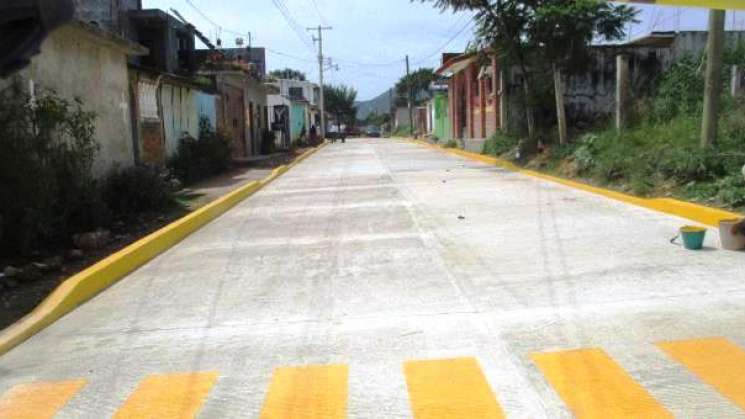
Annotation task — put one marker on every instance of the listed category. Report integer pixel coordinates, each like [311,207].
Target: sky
[370,38]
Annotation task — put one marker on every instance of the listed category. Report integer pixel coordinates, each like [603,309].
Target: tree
[564,31]
[287,74]
[339,102]
[419,82]
[531,33]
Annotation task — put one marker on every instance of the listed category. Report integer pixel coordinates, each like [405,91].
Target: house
[401,118]
[83,60]
[475,100]
[294,109]
[242,110]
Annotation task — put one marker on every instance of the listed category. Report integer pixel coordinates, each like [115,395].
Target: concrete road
[384,279]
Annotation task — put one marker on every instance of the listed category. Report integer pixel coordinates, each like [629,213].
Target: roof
[457,64]
[654,39]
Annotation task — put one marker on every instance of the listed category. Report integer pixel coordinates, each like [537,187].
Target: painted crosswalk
[589,382]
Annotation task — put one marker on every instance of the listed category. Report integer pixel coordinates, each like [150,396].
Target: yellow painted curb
[83,286]
[695,212]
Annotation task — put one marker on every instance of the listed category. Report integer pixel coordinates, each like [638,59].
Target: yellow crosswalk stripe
[594,386]
[452,388]
[38,400]
[718,362]
[168,396]
[309,392]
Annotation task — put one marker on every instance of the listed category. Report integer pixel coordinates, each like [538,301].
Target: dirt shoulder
[26,282]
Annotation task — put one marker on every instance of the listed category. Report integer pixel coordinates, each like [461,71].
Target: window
[296,92]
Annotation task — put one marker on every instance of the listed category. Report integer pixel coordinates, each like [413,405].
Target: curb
[694,212]
[85,285]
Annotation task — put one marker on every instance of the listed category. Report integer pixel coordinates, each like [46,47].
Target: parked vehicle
[373,132]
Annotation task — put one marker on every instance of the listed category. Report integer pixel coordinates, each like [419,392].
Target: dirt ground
[20,295]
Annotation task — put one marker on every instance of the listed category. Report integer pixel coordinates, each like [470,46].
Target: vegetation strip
[85,285]
[699,213]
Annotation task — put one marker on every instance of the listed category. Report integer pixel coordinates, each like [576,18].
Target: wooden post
[735,82]
[561,116]
[502,92]
[714,52]
[623,84]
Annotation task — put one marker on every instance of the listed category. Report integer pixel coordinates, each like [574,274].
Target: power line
[361,64]
[449,41]
[291,22]
[207,18]
[295,57]
[318,11]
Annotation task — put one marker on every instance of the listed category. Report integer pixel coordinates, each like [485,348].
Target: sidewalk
[204,192]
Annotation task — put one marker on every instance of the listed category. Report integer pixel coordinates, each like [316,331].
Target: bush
[47,189]
[499,143]
[451,144]
[402,131]
[198,159]
[137,190]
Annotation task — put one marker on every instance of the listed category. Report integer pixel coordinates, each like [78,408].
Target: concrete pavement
[383,279]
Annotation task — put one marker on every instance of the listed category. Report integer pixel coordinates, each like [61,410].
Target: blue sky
[370,37]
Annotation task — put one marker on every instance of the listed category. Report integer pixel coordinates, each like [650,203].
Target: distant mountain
[380,105]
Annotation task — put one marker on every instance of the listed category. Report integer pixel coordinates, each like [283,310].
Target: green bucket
[693,237]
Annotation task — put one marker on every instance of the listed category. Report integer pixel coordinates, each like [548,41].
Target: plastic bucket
[693,237]
[728,240]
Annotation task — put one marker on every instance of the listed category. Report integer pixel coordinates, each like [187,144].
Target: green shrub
[451,144]
[402,131]
[47,188]
[499,143]
[137,190]
[198,159]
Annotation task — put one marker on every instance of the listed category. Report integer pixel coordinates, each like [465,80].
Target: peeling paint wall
[76,63]
[591,95]
[206,108]
[180,115]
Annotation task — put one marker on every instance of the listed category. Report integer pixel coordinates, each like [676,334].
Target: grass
[652,158]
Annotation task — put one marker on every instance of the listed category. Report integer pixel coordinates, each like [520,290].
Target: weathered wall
[107,14]
[180,115]
[76,63]
[297,121]
[206,107]
[256,101]
[591,95]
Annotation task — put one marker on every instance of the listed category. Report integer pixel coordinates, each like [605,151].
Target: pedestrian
[303,135]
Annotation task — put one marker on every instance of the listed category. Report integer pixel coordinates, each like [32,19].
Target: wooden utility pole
[623,84]
[411,99]
[322,99]
[561,115]
[712,96]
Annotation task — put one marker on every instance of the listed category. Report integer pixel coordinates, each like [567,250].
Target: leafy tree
[377,119]
[287,74]
[419,82]
[339,101]
[532,33]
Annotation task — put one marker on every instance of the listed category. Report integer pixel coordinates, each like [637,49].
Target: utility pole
[712,95]
[411,99]
[322,99]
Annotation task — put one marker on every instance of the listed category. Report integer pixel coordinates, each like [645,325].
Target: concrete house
[475,97]
[83,60]
[294,108]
